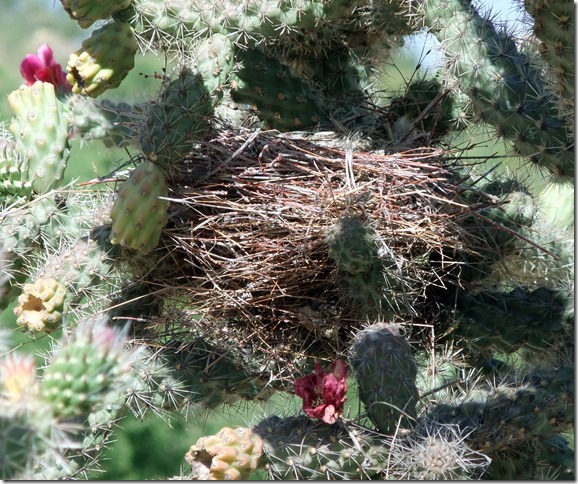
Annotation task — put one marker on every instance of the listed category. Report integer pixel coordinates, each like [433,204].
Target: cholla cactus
[252,254]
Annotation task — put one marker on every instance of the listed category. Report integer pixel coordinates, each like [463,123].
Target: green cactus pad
[40,127]
[103,61]
[139,214]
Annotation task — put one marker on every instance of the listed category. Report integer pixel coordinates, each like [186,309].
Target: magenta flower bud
[43,67]
[323,393]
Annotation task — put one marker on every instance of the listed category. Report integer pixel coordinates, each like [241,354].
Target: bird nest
[246,261]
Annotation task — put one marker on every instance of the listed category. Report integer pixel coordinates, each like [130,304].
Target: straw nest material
[245,260]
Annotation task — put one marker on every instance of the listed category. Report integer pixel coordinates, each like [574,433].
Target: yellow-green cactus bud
[86,12]
[103,61]
[40,305]
[139,212]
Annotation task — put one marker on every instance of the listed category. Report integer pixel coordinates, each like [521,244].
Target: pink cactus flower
[323,393]
[43,67]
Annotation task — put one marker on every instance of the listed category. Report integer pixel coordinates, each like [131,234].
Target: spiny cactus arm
[554,28]
[282,101]
[246,23]
[506,89]
[177,119]
[507,321]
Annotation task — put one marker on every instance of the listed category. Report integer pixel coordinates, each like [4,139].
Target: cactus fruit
[139,213]
[230,455]
[84,369]
[386,376]
[103,61]
[177,120]
[40,306]
[40,127]
[86,12]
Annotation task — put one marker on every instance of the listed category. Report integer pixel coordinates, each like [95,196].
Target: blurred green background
[152,449]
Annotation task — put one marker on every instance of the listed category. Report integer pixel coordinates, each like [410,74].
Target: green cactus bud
[230,455]
[40,127]
[386,376]
[139,214]
[86,12]
[178,119]
[40,306]
[84,369]
[103,61]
